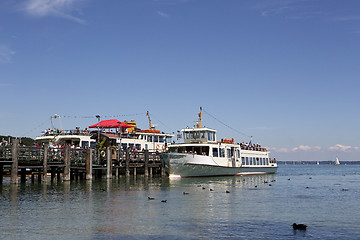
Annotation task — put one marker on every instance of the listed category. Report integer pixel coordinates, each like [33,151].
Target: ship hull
[188,165]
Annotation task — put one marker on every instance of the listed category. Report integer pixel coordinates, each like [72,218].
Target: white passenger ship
[201,155]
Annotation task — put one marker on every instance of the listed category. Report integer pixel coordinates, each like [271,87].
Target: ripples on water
[324,197]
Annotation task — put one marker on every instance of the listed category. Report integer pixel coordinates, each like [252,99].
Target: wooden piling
[117,172]
[134,171]
[1,173]
[67,163]
[58,175]
[15,161]
[127,163]
[146,163]
[23,175]
[45,160]
[39,176]
[88,163]
[53,173]
[162,170]
[108,164]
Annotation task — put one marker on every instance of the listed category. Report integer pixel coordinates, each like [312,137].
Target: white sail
[337,162]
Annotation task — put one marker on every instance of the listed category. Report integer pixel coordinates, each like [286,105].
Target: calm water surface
[324,197]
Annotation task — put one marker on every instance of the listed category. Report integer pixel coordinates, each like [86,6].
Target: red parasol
[111,123]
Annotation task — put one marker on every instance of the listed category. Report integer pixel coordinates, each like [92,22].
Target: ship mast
[198,124]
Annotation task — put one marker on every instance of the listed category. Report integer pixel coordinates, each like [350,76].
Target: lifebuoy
[157,147]
[102,153]
[163,147]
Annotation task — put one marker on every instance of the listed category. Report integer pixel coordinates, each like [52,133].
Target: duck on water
[202,155]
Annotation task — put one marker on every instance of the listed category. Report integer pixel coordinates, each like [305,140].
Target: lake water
[324,197]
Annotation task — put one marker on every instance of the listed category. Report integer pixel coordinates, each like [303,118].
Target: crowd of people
[249,146]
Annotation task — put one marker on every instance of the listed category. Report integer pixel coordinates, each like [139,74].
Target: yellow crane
[147,114]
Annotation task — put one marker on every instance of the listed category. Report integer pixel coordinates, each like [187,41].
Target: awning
[111,123]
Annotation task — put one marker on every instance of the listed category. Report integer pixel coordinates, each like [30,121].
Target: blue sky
[284,71]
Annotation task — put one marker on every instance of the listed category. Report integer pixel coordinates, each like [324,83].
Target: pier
[65,164]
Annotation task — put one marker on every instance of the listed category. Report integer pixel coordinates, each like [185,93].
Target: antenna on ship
[56,116]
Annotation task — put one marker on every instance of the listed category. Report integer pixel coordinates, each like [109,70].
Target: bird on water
[299,226]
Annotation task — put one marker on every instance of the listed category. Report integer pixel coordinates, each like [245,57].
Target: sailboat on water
[337,162]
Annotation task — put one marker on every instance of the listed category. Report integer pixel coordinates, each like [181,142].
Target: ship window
[267,161]
[156,139]
[228,153]
[138,146]
[222,152]
[203,135]
[209,136]
[247,161]
[243,161]
[251,161]
[149,139]
[196,135]
[238,153]
[84,144]
[215,152]
[124,146]
[92,144]
[131,145]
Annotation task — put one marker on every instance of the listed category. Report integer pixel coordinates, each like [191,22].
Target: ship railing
[65,132]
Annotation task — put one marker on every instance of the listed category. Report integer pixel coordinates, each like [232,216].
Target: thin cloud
[290,9]
[56,8]
[343,148]
[162,14]
[306,148]
[300,148]
[347,18]
[6,54]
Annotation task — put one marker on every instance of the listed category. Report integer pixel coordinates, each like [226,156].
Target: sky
[283,71]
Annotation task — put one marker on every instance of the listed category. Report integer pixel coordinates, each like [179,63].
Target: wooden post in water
[127,163]
[1,173]
[134,171]
[39,175]
[67,163]
[15,161]
[162,169]
[45,160]
[53,173]
[108,164]
[23,175]
[146,164]
[88,163]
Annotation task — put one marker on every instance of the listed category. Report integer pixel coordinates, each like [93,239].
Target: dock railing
[65,161]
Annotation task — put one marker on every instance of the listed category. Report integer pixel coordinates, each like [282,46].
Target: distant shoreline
[314,162]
